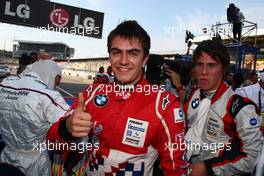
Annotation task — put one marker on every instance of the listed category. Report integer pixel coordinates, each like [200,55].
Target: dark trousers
[237,29]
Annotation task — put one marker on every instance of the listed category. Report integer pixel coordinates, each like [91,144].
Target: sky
[164,20]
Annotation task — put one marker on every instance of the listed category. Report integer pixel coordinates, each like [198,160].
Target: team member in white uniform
[28,107]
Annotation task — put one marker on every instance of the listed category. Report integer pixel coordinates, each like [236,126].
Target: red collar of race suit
[219,92]
[124,92]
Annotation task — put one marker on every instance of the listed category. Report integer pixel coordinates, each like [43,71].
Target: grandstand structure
[250,47]
[58,50]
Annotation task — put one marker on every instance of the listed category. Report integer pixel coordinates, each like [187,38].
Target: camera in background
[155,73]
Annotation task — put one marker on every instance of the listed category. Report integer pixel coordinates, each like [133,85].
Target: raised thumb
[80,105]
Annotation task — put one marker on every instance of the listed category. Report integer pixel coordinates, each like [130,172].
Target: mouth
[203,81]
[124,69]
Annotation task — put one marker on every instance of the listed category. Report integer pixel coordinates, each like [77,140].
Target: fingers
[79,134]
[80,122]
[80,131]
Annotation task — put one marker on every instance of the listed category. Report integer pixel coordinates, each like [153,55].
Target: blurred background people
[34,57]
[229,78]
[236,17]
[173,84]
[238,80]
[29,105]
[109,74]
[255,92]
[252,79]
[26,60]
[44,56]
[100,76]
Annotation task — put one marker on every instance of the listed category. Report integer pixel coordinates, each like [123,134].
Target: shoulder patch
[165,101]
[237,103]
[253,121]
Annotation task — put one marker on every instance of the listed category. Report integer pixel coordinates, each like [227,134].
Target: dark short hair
[216,50]
[33,53]
[130,29]
[232,5]
[251,74]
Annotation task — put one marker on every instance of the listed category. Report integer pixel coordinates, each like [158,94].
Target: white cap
[46,69]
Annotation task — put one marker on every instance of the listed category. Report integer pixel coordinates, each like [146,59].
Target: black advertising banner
[52,16]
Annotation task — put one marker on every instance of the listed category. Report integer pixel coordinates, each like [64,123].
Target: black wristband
[63,131]
[209,168]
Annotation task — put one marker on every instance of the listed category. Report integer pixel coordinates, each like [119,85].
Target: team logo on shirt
[101,100]
[195,103]
[165,102]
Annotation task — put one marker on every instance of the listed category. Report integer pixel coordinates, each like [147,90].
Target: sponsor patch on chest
[135,132]
[213,128]
[178,115]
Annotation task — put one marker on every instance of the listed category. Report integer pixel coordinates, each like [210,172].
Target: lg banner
[52,16]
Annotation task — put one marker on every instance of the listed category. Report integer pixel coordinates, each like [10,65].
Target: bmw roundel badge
[195,103]
[100,100]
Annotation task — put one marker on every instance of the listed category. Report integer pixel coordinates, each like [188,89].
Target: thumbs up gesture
[79,123]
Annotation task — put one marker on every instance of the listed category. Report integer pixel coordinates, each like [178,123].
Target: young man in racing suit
[224,127]
[129,122]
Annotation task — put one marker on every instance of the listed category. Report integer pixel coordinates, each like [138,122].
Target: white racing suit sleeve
[246,143]
[56,108]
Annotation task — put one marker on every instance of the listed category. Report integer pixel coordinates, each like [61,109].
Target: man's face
[126,58]
[209,72]
[57,81]
[254,79]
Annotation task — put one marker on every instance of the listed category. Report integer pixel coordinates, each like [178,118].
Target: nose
[204,70]
[124,59]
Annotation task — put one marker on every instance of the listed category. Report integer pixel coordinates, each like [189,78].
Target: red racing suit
[231,137]
[130,130]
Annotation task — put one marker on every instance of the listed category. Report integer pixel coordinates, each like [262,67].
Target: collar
[217,94]
[34,76]
[124,92]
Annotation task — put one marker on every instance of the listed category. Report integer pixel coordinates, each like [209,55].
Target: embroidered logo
[165,102]
[195,103]
[101,100]
[234,106]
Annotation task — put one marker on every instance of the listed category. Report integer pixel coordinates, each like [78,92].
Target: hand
[175,77]
[198,169]
[79,123]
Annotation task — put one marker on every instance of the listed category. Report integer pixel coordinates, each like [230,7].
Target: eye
[199,64]
[115,52]
[212,65]
[134,53]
